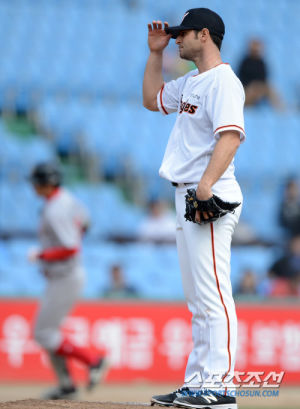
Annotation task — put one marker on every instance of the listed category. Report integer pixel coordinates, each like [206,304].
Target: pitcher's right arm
[153,78]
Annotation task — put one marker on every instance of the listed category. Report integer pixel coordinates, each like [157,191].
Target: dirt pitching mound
[65,404]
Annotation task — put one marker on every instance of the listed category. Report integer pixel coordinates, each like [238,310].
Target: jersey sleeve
[57,253]
[82,217]
[65,230]
[168,97]
[68,224]
[225,104]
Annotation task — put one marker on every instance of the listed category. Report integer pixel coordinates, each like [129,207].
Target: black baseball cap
[197,19]
[46,173]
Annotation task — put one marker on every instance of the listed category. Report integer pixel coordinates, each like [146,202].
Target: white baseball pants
[60,296]
[204,255]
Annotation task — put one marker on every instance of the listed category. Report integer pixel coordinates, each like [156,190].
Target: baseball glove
[216,206]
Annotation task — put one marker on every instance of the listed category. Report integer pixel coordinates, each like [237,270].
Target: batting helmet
[46,174]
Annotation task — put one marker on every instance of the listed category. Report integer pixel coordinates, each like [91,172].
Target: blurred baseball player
[63,221]
[208,130]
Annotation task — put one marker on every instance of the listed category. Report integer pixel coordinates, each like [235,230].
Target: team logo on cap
[185,15]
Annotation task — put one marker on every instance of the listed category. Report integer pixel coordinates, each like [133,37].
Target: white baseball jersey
[62,223]
[206,104]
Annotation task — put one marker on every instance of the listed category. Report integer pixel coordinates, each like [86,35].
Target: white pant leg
[199,325]
[59,298]
[204,254]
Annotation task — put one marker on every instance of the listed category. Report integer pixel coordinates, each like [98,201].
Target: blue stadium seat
[17,276]
[257,259]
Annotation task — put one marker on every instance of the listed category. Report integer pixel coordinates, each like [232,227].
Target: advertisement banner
[148,341]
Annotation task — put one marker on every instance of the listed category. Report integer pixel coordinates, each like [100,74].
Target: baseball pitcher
[198,161]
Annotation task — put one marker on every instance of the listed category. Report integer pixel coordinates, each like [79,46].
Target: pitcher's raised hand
[158,39]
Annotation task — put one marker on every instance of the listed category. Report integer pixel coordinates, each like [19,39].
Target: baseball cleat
[60,392]
[97,373]
[168,399]
[206,399]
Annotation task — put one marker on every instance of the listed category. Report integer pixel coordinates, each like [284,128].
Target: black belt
[185,184]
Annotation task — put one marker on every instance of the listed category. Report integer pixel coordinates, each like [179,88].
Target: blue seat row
[263,162]
[114,135]
[152,270]
[61,45]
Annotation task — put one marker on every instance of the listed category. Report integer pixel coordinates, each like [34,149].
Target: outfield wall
[150,341]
